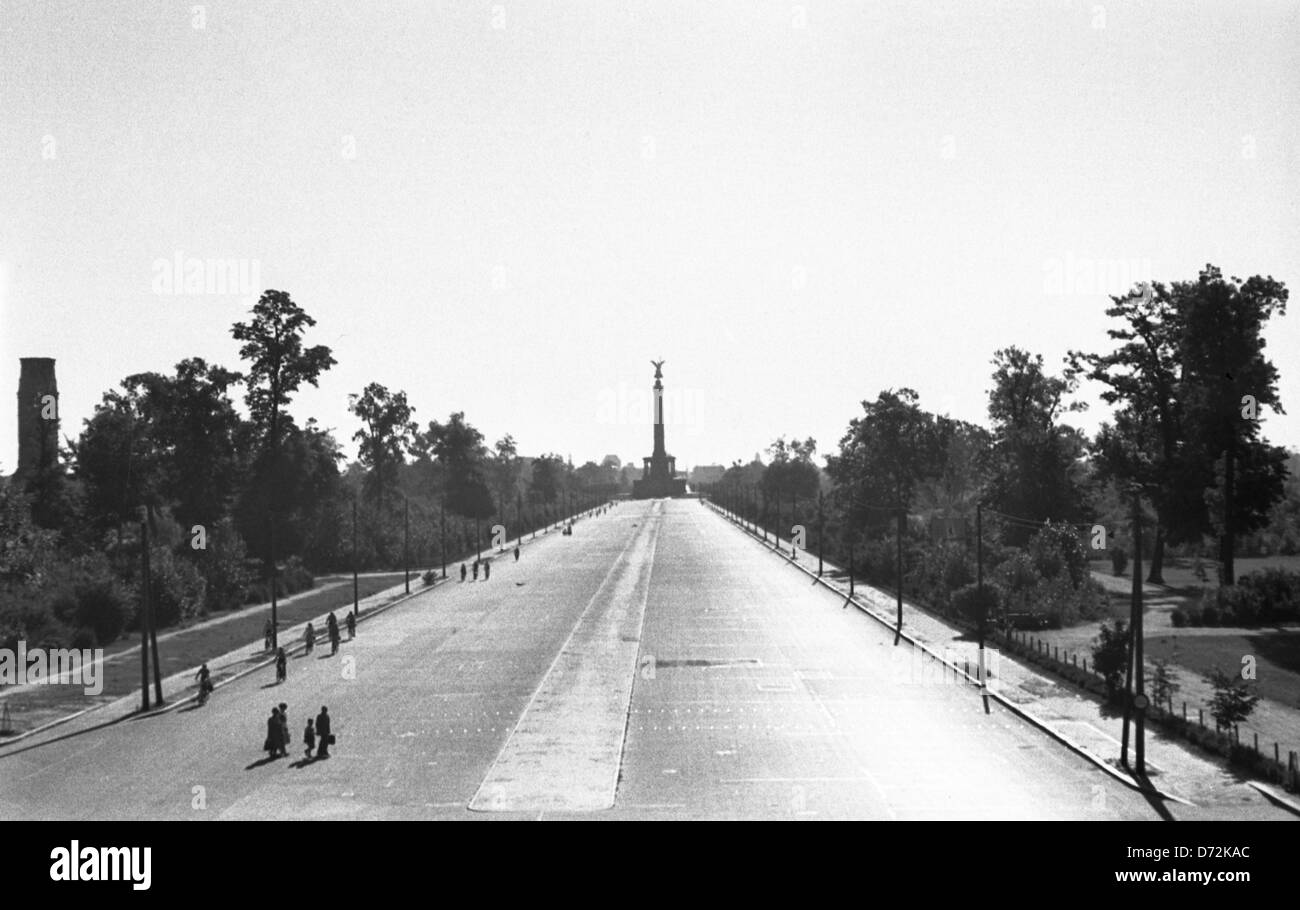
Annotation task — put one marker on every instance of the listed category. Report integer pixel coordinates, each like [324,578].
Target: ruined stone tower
[38,417]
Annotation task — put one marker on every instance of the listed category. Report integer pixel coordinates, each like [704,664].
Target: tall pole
[406,541]
[275,622]
[898,632]
[821,530]
[153,642]
[979,592]
[1135,588]
[776,521]
[442,539]
[1140,700]
[144,610]
[356,593]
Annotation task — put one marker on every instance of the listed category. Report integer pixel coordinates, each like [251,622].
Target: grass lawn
[1277,655]
[188,648]
[1179,575]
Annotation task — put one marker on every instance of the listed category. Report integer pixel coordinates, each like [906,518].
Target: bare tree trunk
[1156,576]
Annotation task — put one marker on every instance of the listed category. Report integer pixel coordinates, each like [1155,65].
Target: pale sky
[509,209]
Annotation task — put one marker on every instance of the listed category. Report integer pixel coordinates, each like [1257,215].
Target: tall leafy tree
[459,447]
[194,430]
[792,471]
[1037,473]
[388,434]
[116,461]
[883,457]
[1228,383]
[505,468]
[278,362]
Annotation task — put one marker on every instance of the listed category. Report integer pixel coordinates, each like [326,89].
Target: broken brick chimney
[38,417]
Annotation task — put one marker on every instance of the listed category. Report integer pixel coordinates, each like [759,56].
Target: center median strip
[566,750]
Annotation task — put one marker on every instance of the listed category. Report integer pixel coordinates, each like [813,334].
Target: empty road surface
[656,664]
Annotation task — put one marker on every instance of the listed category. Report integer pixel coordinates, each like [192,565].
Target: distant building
[706,474]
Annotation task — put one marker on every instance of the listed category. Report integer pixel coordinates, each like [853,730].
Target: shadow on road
[263,761]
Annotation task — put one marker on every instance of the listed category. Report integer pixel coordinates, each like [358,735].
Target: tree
[458,446]
[1036,470]
[1164,685]
[546,482]
[194,432]
[792,472]
[1232,702]
[388,434]
[883,456]
[1227,382]
[278,362]
[505,470]
[1110,654]
[117,462]
[278,366]
[1142,375]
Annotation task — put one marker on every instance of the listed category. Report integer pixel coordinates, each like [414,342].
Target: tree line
[240,506]
[1188,381]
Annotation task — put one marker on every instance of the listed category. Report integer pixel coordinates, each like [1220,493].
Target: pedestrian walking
[285,738]
[487,570]
[274,734]
[352,625]
[462,571]
[332,627]
[476,570]
[281,665]
[309,636]
[323,733]
[309,737]
[516,553]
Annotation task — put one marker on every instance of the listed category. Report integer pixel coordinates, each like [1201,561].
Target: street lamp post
[356,598]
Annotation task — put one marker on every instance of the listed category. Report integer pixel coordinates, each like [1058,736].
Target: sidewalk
[1067,713]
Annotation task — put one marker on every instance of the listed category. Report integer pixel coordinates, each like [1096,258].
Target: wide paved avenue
[657,663]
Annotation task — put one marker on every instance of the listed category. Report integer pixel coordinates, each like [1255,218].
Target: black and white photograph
[636,411]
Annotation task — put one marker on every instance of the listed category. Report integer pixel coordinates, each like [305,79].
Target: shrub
[225,568]
[1275,591]
[1178,617]
[294,577]
[1233,701]
[1211,616]
[176,589]
[1057,550]
[429,577]
[85,593]
[1118,560]
[1195,616]
[1110,654]
[966,602]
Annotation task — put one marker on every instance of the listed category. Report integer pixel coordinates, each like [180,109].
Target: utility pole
[1140,699]
[356,594]
[406,541]
[442,538]
[275,622]
[821,530]
[979,592]
[144,609]
[898,632]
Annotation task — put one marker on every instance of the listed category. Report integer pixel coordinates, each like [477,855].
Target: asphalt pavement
[657,663]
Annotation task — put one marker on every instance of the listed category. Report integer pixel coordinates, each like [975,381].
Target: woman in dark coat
[332,627]
[323,732]
[274,734]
